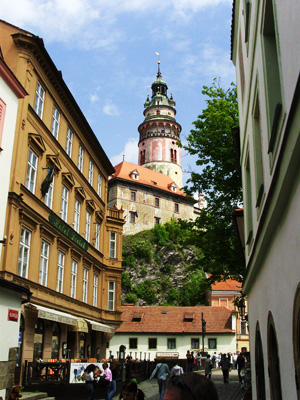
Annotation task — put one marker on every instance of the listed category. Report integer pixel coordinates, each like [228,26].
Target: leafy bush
[146,291]
[130,298]
[126,282]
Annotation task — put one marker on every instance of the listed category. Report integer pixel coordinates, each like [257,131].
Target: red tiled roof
[146,177]
[158,319]
[229,285]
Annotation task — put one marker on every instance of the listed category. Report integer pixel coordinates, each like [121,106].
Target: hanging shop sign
[69,232]
[13,315]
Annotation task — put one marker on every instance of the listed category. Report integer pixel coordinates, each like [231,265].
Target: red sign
[13,315]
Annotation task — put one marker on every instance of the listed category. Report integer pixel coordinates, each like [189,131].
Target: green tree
[219,179]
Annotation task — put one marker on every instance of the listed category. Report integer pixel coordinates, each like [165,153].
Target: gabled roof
[146,177]
[228,285]
[158,319]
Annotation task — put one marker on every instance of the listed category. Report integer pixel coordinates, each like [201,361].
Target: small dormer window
[188,317]
[134,175]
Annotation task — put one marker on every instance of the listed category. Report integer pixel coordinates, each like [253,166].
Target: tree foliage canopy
[219,179]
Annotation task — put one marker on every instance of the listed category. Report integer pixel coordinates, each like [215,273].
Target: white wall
[225,343]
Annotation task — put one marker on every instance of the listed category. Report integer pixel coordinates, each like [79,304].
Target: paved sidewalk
[231,391]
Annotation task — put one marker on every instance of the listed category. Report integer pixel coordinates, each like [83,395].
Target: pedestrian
[176,370]
[215,359]
[107,380]
[208,366]
[91,376]
[162,370]
[240,364]
[193,361]
[198,360]
[130,391]
[191,386]
[225,365]
[189,361]
[234,360]
[113,384]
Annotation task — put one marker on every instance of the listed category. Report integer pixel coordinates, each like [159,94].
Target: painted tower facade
[160,133]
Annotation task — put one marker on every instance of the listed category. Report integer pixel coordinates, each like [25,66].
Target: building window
[73,278]
[39,100]
[132,217]
[99,185]
[69,142]
[133,196]
[133,343]
[44,263]
[91,171]
[111,295]
[212,344]
[49,195]
[55,341]
[248,204]
[31,171]
[64,204]
[87,226]
[113,245]
[156,202]
[76,215]
[95,290]
[24,252]
[157,220]
[195,343]
[176,207]
[55,122]
[258,158]
[273,360]
[80,158]
[81,345]
[38,340]
[60,272]
[97,236]
[171,343]
[152,343]
[259,366]
[85,284]
[2,116]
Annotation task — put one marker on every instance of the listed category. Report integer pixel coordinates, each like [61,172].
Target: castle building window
[132,217]
[152,343]
[99,185]
[60,272]
[133,343]
[113,245]
[97,236]
[39,100]
[157,220]
[156,202]
[76,215]
[87,226]
[44,263]
[24,252]
[111,295]
[171,343]
[95,290]
[85,284]
[195,343]
[176,207]
[31,171]
[69,142]
[55,122]
[80,158]
[91,171]
[73,278]
[212,344]
[64,203]
[133,196]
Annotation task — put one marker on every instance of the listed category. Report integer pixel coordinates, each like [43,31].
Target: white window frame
[24,252]
[39,100]
[113,244]
[74,278]
[49,195]
[95,290]
[80,158]
[99,185]
[76,215]
[64,203]
[91,172]
[31,171]
[111,295]
[60,272]
[85,284]
[44,262]
[55,122]
[97,235]
[88,218]
[69,142]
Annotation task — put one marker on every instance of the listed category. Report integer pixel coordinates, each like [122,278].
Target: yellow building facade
[62,241]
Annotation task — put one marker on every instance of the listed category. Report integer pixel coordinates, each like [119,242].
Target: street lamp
[242,309]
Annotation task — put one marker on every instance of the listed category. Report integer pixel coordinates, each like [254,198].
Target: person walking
[208,367]
[107,380]
[225,365]
[240,362]
[189,360]
[176,370]
[198,360]
[162,370]
[113,384]
[90,376]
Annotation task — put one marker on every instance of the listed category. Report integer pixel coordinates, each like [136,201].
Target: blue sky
[106,52]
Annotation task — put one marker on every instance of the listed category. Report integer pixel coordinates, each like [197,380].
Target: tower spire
[159,75]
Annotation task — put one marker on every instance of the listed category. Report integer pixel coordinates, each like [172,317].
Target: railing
[114,213]
[46,372]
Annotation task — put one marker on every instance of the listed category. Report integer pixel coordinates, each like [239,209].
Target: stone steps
[36,396]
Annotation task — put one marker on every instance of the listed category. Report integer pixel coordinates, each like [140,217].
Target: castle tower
[160,133]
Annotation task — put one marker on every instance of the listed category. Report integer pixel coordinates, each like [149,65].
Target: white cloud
[130,153]
[94,98]
[111,110]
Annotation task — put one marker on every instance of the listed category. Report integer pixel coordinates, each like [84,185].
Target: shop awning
[55,315]
[97,326]
[81,326]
